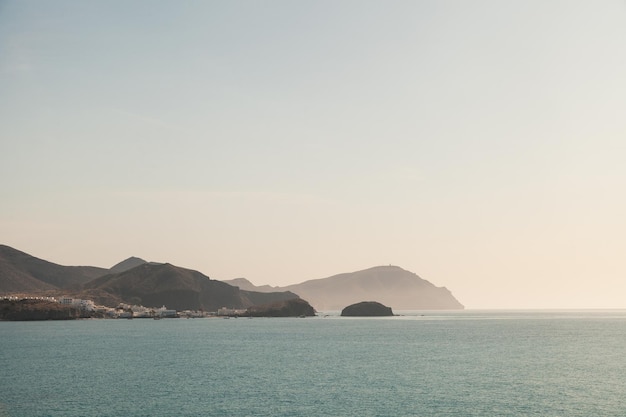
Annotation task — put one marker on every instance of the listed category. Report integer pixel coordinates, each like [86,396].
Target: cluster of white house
[138,311]
[129,311]
[229,312]
[16,298]
[121,311]
[86,305]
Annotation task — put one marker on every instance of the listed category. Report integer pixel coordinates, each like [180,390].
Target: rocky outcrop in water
[367,309]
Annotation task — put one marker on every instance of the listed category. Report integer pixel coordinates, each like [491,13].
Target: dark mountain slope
[154,285]
[14,280]
[21,272]
[255,298]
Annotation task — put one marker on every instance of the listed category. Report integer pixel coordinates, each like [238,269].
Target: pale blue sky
[478,144]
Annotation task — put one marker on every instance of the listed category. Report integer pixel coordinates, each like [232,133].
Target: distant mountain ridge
[389,285]
[136,281]
[244,284]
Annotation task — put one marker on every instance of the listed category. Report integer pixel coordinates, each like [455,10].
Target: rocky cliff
[287,308]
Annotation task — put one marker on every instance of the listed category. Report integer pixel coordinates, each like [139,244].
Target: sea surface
[464,363]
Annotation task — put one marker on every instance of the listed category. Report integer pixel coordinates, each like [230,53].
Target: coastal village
[88,309]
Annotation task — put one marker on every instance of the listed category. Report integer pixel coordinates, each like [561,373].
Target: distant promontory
[388,284]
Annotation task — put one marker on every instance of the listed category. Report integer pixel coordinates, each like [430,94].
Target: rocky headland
[390,285]
[295,307]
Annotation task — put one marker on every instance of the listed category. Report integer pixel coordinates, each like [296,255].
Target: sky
[480,145]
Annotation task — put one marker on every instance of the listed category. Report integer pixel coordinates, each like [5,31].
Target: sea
[419,363]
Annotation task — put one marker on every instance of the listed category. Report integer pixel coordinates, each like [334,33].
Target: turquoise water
[468,363]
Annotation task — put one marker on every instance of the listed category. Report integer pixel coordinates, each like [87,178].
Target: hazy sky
[479,144]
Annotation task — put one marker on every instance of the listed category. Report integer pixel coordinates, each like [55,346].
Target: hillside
[21,272]
[154,285]
[390,285]
[127,264]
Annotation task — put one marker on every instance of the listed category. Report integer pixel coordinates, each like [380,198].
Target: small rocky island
[295,307]
[367,309]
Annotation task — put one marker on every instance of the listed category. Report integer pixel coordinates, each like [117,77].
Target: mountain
[244,284]
[127,264]
[390,285]
[21,272]
[136,281]
[154,285]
